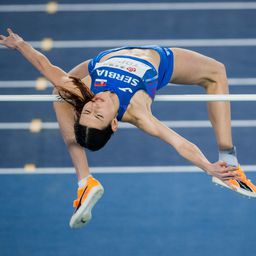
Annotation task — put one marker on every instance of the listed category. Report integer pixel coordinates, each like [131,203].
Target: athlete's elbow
[70,142]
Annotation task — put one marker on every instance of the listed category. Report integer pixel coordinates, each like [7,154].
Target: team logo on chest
[125,89]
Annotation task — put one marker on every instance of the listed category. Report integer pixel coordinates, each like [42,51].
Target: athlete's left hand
[222,171]
[12,40]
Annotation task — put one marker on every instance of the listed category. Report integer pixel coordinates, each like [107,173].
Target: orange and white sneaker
[87,197]
[243,186]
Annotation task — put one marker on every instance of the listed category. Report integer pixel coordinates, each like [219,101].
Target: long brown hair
[75,99]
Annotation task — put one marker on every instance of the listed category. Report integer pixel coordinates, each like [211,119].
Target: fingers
[10,32]
[227,173]
[231,169]
[2,38]
[230,176]
[222,163]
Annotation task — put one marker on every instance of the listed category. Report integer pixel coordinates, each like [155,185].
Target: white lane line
[231,42]
[171,124]
[249,81]
[23,8]
[116,169]
[242,81]
[128,7]
[18,84]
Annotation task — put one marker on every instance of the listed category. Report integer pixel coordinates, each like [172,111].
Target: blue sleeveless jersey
[124,76]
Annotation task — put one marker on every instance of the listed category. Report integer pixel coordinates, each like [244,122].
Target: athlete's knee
[220,71]
[217,78]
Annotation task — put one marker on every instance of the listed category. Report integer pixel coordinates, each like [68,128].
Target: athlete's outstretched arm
[65,116]
[151,125]
[64,112]
[54,74]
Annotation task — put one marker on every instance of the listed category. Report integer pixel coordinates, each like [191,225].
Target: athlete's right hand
[11,41]
[223,172]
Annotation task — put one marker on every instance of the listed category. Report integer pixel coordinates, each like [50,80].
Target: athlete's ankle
[229,156]
[83,181]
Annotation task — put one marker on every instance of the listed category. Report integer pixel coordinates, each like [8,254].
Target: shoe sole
[239,190]
[83,215]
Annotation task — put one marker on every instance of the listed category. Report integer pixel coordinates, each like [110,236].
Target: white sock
[229,156]
[82,182]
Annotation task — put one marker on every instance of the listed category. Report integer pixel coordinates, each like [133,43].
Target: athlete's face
[99,112]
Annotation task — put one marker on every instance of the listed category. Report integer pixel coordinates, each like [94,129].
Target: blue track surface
[151,214]
[140,214]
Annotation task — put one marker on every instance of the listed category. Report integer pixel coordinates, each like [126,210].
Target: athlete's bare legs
[193,68]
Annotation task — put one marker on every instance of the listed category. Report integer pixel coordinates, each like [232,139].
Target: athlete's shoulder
[139,106]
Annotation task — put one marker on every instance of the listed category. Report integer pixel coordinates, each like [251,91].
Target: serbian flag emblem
[100,82]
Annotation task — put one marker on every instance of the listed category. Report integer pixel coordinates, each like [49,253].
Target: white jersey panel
[129,65]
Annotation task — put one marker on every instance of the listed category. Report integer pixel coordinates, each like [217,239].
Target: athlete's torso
[129,73]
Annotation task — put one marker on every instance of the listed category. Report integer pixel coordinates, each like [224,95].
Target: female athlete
[120,85]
